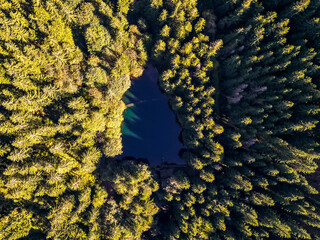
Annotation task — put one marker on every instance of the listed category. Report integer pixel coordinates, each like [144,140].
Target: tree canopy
[242,77]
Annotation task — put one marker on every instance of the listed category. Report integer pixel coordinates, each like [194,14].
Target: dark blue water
[150,129]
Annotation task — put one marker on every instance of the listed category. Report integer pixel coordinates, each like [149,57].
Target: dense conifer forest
[242,77]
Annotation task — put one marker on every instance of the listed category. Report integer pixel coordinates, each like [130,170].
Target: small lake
[150,129]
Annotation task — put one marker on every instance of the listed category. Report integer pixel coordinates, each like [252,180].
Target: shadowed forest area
[242,81]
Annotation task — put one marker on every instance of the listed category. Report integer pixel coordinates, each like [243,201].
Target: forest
[242,78]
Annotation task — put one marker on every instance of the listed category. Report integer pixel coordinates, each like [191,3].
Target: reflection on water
[150,129]
[130,117]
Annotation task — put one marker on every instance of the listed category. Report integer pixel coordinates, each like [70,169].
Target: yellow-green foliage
[61,111]
[16,224]
[132,206]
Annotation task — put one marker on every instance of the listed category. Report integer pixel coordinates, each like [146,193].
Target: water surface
[150,129]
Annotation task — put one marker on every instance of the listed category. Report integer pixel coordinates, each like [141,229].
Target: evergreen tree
[61,111]
[262,72]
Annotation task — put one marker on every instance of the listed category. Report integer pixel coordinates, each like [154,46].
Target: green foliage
[262,63]
[184,56]
[130,210]
[247,105]
[64,68]
[16,224]
[242,77]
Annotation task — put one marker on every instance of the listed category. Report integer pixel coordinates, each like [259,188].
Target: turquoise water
[132,118]
[150,129]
